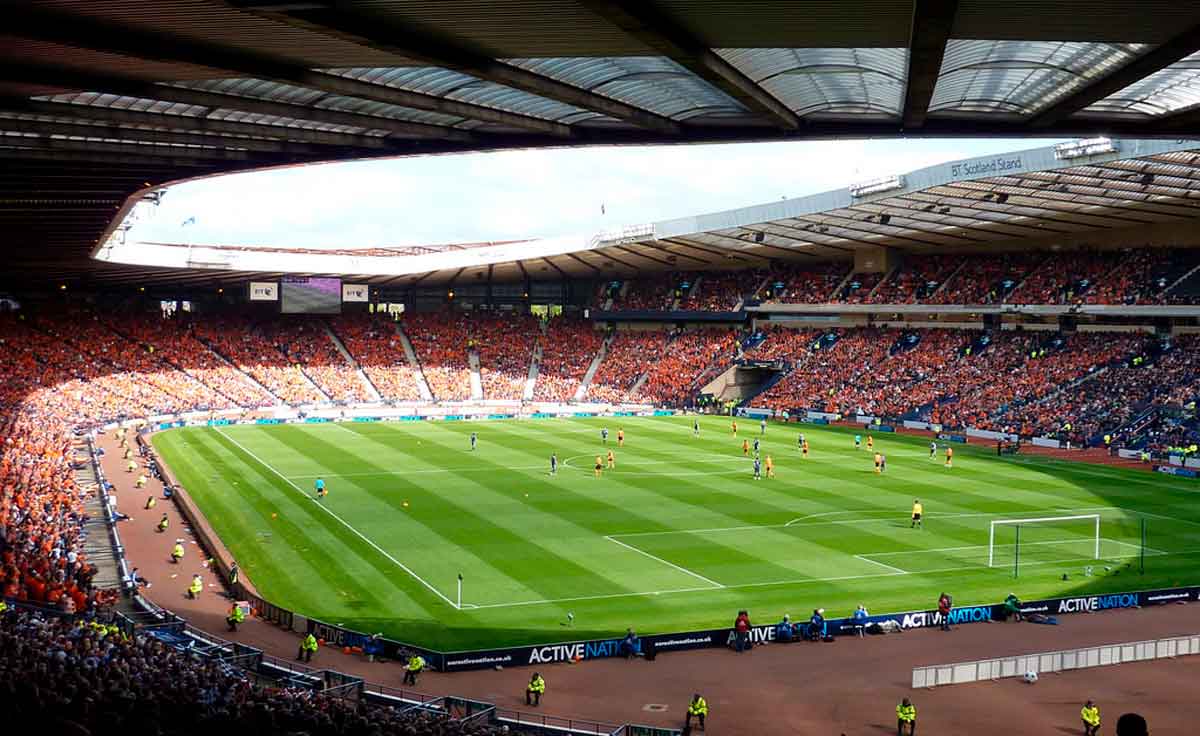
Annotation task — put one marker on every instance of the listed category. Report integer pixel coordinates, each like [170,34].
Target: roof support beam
[577,258]
[138,135]
[553,265]
[165,162]
[765,246]
[1018,200]
[713,251]
[931,22]
[87,82]
[635,254]
[110,115]
[91,34]
[1181,46]
[648,24]
[388,36]
[803,236]
[976,222]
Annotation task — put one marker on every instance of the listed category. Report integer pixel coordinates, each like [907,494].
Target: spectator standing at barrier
[416,663]
[698,708]
[741,631]
[945,603]
[1132,724]
[308,646]
[534,690]
[906,718]
[235,574]
[1090,714]
[235,617]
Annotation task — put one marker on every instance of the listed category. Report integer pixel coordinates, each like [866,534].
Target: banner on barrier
[948,437]
[1172,470]
[1046,442]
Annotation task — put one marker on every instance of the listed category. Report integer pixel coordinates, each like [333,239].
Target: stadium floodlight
[875,186]
[1083,147]
[1018,523]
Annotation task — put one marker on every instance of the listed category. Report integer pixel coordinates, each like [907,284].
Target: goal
[1080,534]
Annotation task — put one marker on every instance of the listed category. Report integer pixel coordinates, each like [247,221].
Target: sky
[514,195]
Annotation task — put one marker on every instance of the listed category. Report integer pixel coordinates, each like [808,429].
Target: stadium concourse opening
[595,485]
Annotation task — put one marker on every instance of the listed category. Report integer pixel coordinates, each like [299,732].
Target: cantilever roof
[1026,198]
[98,100]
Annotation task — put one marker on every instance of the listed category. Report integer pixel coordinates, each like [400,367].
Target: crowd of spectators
[917,280]
[173,341]
[859,287]
[374,343]
[717,291]
[504,343]
[111,352]
[1007,381]
[671,378]
[254,353]
[630,353]
[80,677]
[441,341]
[568,348]
[986,279]
[306,343]
[651,292]
[804,284]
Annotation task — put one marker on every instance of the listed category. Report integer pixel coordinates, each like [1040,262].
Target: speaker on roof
[759,236]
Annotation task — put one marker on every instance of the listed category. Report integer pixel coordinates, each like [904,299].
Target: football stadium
[920,448]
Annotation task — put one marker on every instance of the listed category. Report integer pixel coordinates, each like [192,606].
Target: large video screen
[311,296]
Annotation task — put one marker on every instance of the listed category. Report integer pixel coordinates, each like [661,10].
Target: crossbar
[992,530]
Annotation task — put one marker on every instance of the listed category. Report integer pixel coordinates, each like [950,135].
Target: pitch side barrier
[661,643]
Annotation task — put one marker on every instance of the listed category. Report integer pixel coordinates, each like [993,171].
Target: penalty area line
[865,558]
[683,570]
[343,522]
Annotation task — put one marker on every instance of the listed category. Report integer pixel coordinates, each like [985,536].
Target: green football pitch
[678,537]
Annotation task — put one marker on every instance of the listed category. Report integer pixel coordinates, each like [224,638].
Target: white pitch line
[1149,550]
[344,523]
[865,558]
[1081,540]
[406,471]
[684,570]
[834,521]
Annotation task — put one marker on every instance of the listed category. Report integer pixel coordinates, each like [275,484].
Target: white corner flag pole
[460,591]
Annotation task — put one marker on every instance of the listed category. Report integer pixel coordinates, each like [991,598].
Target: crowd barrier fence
[1065,660]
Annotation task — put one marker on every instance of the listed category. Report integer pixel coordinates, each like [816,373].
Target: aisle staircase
[476,379]
[411,354]
[99,544]
[534,366]
[591,371]
[362,376]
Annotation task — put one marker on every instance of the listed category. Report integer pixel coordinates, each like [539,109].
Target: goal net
[1045,540]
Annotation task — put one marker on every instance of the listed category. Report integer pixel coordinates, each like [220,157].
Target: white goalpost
[1043,520]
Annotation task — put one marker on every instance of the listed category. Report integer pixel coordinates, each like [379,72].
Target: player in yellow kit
[949,457]
[745,448]
[916,514]
[878,463]
[620,437]
[804,449]
[870,443]
[770,467]
[599,466]
[734,425]
[612,460]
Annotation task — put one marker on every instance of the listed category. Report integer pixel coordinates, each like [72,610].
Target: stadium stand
[803,284]
[441,342]
[89,677]
[238,341]
[673,376]
[568,347]
[375,345]
[505,345]
[917,280]
[306,344]
[629,355]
